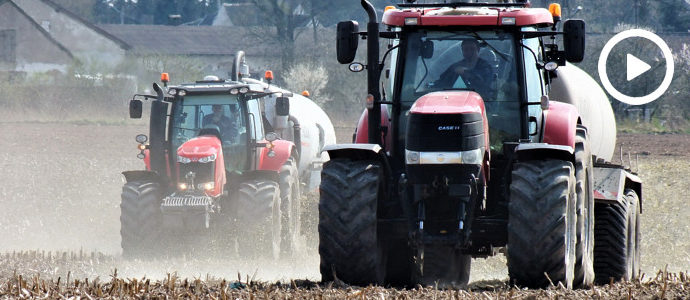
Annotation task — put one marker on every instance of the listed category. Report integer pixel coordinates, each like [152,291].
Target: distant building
[25,47]
[40,36]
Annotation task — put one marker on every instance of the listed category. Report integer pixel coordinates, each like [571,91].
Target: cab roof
[468,16]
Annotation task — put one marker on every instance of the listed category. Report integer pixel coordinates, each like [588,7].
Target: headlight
[182,93]
[141,138]
[244,90]
[172,91]
[411,157]
[182,186]
[206,159]
[184,160]
[206,186]
[234,91]
[470,157]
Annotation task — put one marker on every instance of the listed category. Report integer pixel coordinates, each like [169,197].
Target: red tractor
[216,173]
[467,156]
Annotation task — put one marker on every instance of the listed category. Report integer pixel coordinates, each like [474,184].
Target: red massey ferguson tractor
[467,157]
[212,175]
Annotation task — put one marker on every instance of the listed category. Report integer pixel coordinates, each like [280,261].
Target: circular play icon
[636,68]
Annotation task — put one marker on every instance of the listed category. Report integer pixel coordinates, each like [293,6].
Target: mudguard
[131,176]
[560,124]
[359,152]
[283,149]
[532,151]
[362,133]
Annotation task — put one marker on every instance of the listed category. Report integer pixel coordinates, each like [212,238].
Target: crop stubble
[60,192]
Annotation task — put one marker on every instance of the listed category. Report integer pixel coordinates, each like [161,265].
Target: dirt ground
[60,187]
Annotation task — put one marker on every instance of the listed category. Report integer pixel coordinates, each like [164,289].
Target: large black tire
[348,239]
[140,219]
[257,212]
[616,247]
[584,187]
[542,224]
[444,267]
[291,209]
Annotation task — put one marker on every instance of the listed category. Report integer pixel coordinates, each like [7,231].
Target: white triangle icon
[635,67]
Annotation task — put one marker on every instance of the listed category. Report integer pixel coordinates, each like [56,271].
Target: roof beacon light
[268,76]
[165,77]
[389,7]
[305,93]
[555,10]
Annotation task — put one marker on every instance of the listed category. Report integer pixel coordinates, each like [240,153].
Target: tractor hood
[200,147]
[449,102]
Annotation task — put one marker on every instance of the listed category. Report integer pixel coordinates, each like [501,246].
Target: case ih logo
[449,128]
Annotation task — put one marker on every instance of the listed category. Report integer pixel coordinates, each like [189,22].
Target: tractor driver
[473,70]
[227,126]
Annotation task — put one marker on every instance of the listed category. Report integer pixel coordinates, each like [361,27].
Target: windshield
[221,113]
[482,61]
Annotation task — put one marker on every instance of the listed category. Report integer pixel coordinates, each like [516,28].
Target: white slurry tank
[573,85]
[307,125]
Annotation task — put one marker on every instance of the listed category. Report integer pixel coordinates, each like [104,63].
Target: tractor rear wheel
[349,245]
[140,218]
[257,209]
[616,247]
[290,207]
[542,224]
[584,253]
[444,267]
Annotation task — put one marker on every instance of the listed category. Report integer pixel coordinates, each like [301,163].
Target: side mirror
[282,106]
[135,109]
[346,41]
[427,49]
[574,40]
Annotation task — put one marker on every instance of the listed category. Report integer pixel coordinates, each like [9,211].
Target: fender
[560,124]
[359,152]
[138,175]
[283,149]
[533,151]
[362,133]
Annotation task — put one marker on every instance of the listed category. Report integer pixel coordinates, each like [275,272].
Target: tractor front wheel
[542,224]
[140,218]
[257,212]
[349,245]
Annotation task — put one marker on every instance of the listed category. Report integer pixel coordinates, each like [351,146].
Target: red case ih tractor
[218,172]
[469,157]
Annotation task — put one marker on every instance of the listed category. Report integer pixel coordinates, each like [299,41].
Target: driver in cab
[226,125]
[472,70]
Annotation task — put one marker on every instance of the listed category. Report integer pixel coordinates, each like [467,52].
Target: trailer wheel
[584,253]
[542,224]
[349,245]
[290,207]
[443,267]
[140,218]
[616,250]
[257,209]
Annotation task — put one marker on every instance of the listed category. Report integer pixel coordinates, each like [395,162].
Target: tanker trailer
[573,85]
[617,190]
[306,124]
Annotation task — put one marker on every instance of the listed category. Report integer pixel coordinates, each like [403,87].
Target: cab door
[256,131]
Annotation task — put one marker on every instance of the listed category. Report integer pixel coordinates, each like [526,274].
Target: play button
[643,82]
[635,67]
